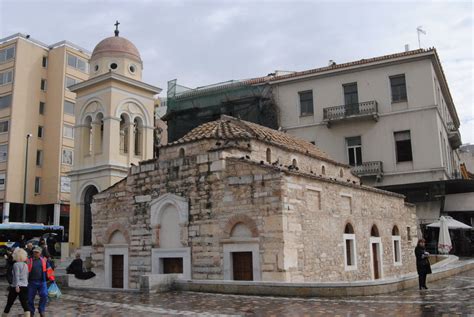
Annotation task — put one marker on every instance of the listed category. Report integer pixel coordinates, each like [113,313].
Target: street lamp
[28,136]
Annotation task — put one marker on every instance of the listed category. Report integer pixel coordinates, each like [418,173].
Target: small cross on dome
[116,28]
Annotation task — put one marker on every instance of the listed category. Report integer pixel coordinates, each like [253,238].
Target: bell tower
[114,128]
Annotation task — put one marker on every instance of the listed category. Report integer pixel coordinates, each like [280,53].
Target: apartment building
[35,101]
[391,118]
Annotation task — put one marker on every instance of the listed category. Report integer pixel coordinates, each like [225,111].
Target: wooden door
[242,266]
[173,265]
[375,256]
[117,271]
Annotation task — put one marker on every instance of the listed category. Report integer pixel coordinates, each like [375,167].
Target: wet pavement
[453,296]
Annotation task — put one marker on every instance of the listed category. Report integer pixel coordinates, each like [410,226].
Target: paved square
[449,297]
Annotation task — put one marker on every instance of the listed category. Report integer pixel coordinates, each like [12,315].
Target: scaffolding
[189,108]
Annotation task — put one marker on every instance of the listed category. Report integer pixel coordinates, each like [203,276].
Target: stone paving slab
[453,296]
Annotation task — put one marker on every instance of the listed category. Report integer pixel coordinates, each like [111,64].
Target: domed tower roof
[116,46]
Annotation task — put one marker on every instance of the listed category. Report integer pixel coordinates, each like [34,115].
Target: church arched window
[124,133]
[87,136]
[99,133]
[138,136]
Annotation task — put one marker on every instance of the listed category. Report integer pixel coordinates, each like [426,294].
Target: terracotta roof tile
[230,128]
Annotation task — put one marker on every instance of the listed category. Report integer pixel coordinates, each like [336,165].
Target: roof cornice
[117,77]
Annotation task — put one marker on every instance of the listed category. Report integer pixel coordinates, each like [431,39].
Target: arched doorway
[89,193]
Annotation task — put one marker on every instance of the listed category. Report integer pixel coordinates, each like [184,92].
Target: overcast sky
[204,42]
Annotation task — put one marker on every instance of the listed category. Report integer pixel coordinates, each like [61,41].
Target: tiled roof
[230,128]
[338,66]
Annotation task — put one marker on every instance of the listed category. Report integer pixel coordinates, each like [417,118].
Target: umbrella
[452,224]
[444,241]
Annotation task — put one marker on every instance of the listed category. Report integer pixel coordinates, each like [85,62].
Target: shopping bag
[54,291]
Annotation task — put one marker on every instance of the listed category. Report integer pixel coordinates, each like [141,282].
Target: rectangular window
[37,185]
[403,146]
[397,259]
[67,157]
[70,81]
[4,126]
[65,184]
[350,261]
[44,84]
[68,131]
[69,107]
[399,88]
[306,103]
[2,181]
[350,94]
[6,77]
[408,234]
[40,131]
[44,62]
[7,54]
[3,152]
[41,107]
[39,157]
[77,63]
[354,150]
[5,101]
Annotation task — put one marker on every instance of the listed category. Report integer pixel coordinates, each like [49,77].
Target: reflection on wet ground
[453,296]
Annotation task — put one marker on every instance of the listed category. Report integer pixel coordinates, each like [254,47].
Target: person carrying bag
[423,266]
[19,283]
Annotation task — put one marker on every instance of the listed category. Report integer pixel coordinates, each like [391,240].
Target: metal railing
[352,110]
[451,127]
[369,169]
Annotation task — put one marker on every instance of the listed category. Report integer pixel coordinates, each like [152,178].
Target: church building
[114,113]
[232,200]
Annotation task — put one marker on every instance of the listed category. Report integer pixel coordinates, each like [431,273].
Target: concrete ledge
[359,288]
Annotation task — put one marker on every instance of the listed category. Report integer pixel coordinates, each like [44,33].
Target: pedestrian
[40,272]
[44,248]
[19,284]
[423,266]
[22,242]
[29,249]
[76,267]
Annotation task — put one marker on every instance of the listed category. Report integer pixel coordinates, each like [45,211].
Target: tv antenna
[420,30]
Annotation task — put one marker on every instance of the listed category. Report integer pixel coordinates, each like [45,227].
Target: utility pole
[28,136]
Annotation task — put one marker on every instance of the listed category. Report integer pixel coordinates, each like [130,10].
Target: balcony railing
[454,136]
[374,168]
[356,110]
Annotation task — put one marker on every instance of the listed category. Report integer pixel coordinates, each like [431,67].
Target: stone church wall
[317,212]
[296,241]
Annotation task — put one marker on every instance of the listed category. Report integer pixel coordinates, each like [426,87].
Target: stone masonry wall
[316,215]
[229,185]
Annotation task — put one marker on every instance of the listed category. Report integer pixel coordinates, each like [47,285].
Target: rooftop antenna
[420,30]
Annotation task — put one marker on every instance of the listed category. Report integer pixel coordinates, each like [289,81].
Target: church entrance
[117,271]
[242,266]
[87,228]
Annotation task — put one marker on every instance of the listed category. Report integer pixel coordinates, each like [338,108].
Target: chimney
[407,47]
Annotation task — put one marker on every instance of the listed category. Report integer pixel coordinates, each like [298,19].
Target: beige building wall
[434,158]
[24,115]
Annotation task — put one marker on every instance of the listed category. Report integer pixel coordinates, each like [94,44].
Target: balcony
[374,168]
[454,136]
[367,109]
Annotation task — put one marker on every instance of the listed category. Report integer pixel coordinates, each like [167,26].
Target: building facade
[392,118]
[233,200]
[35,99]
[114,128]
